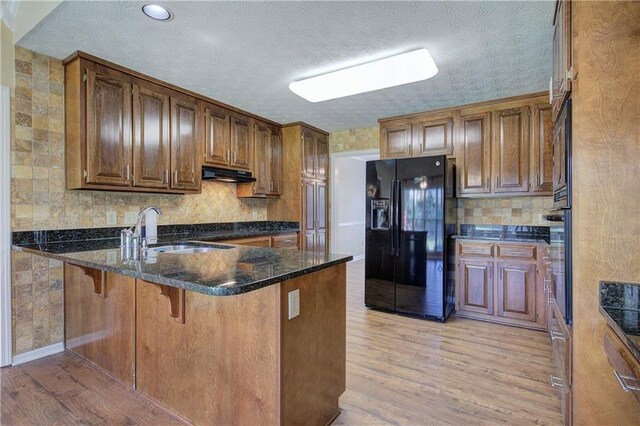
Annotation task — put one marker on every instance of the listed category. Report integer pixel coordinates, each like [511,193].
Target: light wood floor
[399,371]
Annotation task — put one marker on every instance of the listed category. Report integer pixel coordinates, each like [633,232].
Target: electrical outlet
[294,303]
[255,214]
[130,218]
[112,218]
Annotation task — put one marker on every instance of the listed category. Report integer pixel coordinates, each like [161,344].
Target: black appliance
[409,253]
[224,175]
[560,217]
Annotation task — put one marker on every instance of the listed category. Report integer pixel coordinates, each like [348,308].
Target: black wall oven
[560,216]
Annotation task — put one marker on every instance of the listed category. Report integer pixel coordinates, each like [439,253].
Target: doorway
[348,177]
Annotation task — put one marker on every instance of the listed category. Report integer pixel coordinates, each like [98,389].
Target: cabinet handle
[226,156]
[235,155]
[556,382]
[175,177]
[497,181]
[554,335]
[537,179]
[488,185]
[627,387]
[127,172]
[165,176]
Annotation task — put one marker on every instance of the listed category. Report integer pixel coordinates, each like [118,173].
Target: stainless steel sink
[185,249]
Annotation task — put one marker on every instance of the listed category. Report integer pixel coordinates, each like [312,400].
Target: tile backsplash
[39,199]
[504,211]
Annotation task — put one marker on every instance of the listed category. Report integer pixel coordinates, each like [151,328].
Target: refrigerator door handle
[392,192]
[396,224]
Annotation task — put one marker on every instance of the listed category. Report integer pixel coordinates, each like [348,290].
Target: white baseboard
[359,257]
[38,353]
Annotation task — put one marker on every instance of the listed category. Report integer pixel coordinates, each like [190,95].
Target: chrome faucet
[131,239]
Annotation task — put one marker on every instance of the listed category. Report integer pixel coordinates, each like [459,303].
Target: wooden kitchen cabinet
[562,57]
[217,136]
[475,154]
[284,241]
[241,142]
[475,284]
[99,318]
[395,140]
[151,138]
[185,144]
[267,163]
[433,136]
[108,127]
[501,282]
[510,150]
[304,199]
[542,149]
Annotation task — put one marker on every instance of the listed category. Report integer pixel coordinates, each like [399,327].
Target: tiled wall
[504,211]
[39,199]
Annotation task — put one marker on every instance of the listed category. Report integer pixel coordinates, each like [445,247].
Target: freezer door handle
[396,225]
[392,192]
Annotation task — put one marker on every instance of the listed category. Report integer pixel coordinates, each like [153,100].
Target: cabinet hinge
[570,73]
[84,76]
[85,174]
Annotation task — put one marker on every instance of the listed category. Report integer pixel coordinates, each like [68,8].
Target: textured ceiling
[246,53]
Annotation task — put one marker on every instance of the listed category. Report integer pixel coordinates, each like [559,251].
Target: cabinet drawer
[466,248]
[626,367]
[289,241]
[513,251]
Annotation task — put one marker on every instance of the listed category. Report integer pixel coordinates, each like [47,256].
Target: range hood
[224,175]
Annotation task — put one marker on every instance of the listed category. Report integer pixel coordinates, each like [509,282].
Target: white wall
[348,206]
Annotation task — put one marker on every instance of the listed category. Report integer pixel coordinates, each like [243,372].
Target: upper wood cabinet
[542,149]
[562,56]
[108,131]
[474,163]
[315,154]
[433,136]
[217,136]
[151,139]
[185,144]
[267,163]
[241,142]
[511,150]
[395,140]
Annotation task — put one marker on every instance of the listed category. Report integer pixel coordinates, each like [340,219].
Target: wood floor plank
[400,371]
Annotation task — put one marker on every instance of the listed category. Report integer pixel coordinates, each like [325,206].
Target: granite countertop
[511,233]
[229,270]
[620,305]
[226,271]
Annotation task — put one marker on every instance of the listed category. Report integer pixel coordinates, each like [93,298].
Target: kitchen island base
[221,359]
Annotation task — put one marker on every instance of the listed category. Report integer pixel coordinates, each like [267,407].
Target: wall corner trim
[38,353]
[5,227]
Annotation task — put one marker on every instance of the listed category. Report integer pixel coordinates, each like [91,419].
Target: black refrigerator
[409,253]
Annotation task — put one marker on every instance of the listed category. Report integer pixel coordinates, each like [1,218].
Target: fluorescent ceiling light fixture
[156,12]
[389,72]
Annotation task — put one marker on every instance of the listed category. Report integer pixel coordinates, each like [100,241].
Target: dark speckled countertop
[229,270]
[620,305]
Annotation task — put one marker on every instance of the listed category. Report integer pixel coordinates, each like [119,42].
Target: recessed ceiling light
[394,71]
[157,12]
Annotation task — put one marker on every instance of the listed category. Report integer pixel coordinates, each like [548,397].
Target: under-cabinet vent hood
[224,175]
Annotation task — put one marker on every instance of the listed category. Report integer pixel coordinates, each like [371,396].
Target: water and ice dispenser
[380,216]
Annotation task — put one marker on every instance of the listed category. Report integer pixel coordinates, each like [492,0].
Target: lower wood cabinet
[626,367]
[283,241]
[99,323]
[501,282]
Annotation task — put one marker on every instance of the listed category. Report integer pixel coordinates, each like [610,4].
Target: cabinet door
[309,155]
[262,161]
[434,137]
[511,150]
[542,150]
[321,217]
[108,129]
[308,216]
[275,159]
[151,109]
[185,145]
[475,145]
[476,286]
[217,137]
[395,141]
[516,285]
[562,61]
[322,156]
[241,139]
[559,156]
